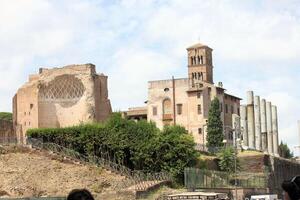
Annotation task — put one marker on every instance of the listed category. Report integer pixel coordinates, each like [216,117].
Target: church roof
[198,45]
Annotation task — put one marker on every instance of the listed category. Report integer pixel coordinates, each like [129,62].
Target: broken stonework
[60,97]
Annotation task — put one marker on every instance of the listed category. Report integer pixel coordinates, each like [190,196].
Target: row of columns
[259,122]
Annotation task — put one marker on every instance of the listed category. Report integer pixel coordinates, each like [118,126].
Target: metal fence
[135,180]
[205,148]
[198,178]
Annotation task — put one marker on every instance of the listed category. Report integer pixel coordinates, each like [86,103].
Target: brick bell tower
[200,67]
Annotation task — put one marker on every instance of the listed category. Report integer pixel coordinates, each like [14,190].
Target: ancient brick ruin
[60,97]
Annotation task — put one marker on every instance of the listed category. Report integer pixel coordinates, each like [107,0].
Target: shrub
[137,145]
[227,160]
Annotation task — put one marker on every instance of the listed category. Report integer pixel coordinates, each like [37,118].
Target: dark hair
[292,187]
[80,194]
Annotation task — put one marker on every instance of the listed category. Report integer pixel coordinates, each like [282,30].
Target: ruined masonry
[60,97]
[259,123]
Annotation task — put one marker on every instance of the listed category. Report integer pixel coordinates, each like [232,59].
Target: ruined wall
[281,169]
[277,169]
[61,97]
[6,131]
[102,103]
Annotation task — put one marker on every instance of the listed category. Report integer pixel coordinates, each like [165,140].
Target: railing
[134,180]
[199,178]
[204,148]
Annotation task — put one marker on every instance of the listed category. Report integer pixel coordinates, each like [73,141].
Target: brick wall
[6,131]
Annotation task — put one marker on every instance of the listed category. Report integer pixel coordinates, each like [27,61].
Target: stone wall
[280,169]
[277,169]
[6,131]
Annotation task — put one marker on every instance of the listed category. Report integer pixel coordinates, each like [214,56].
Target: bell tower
[200,67]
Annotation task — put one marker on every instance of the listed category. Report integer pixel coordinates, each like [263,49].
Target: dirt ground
[31,173]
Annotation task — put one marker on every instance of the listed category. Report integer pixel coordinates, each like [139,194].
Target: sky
[256,46]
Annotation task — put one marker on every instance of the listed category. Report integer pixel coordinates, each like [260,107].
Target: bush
[137,145]
[227,160]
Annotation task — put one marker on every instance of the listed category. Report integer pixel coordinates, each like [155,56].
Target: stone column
[257,123]
[269,127]
[263,119]
[243,112]
[275,130]
[250,118]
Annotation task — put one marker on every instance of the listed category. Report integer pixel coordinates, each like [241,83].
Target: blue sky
[256,46]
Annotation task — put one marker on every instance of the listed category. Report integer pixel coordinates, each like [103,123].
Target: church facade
[186,101]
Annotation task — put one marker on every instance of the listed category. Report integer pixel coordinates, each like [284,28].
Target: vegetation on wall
[215,135]
[284,151]
[138,145]
[6,116]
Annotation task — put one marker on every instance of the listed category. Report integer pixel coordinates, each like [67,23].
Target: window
[201,60]
[221,107]
[198,95]
[209,91]
[24,113]
[200,130]
[232,109]
[167,107]
[199,109]
[154,111]
[166,89]
[24,123]
[31,106]
[238,110]
[226,108]
[179,109]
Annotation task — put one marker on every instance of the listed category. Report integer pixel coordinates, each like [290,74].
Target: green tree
[284,151]
[227,160]
[6,116]
[215,135]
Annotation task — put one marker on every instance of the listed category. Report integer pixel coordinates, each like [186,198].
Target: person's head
[80,194]
[292,188]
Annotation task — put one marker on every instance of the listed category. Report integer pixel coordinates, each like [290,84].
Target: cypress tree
[215,135]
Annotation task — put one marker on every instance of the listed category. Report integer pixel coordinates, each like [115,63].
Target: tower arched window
[195,60]
[192,61]
[201,60]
